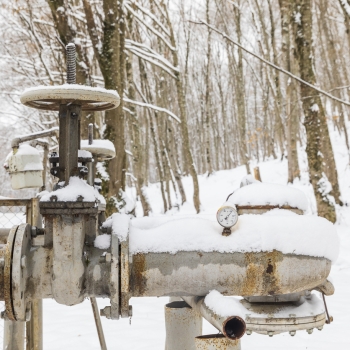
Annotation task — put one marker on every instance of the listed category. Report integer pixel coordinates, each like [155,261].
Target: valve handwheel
[89,98]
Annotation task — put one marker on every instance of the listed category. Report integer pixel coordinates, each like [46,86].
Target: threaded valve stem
[71,66]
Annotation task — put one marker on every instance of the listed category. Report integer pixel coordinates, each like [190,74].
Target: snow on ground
[73,327]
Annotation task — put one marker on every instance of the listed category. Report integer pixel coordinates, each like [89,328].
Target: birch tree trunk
[315,120]
[291,96]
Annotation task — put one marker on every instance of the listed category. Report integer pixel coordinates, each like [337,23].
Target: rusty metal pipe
[231,327]
[215,342]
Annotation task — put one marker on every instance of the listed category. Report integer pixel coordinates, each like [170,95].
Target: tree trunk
[112,65]
[315,120]
[183,116]
[291,96]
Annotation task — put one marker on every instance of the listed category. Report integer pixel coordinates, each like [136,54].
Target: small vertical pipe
[215,342]
[13,335]
[91,133]
[182,325]
[91,165]
[34,327]
[45,160]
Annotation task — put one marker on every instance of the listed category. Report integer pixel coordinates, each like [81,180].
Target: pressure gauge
[227,217]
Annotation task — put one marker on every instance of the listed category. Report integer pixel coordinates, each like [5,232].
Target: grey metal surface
[264,318]
[13,335]
[246,274]
[182,325]
[69,119]
[216,342]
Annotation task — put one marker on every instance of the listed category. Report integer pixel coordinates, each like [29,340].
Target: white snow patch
[248,180]
[102,241]
[70,87]
[269,194]
[280,230]
[315,108]
[120,225]
[297,18]
[232,306]
[84,154]
[279,212]
[25,149]
[100,144]
[76,187]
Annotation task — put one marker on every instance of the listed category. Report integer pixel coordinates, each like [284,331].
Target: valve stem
[91,133]
[71,66]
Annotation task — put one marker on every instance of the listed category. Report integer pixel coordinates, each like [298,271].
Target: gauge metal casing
[228,211]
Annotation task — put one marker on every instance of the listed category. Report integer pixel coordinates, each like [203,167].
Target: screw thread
[71,66]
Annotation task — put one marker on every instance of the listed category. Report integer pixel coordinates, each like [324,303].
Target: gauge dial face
[227,216]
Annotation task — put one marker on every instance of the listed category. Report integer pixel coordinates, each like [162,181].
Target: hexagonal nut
[106,312]
[108,257]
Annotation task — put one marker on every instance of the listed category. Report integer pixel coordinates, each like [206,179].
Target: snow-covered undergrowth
[73,327]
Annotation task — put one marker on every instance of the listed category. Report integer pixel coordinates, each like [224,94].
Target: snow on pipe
[231,327]
[71,67]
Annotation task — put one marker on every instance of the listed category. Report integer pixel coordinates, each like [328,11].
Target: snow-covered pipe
[17,140]
[231,327]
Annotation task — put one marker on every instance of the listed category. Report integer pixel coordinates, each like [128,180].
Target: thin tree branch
[273,65]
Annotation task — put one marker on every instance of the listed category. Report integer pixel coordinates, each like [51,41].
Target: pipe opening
[234,327]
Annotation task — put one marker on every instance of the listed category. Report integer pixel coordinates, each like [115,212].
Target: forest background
[194,99]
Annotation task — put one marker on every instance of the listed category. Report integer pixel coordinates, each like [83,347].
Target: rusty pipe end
[234,327]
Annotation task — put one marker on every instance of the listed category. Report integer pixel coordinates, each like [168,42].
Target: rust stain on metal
[262,274]
[7,274]
[124,279]
[138,281]
[216,341]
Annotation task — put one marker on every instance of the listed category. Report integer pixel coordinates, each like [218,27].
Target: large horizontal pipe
[231,327]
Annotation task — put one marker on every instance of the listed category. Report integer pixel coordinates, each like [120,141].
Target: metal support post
[182,325]
[13,335]
[91,165]
[34,327]
[69,117]
[98,323]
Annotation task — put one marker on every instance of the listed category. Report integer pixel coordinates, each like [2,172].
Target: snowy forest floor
[73,327]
